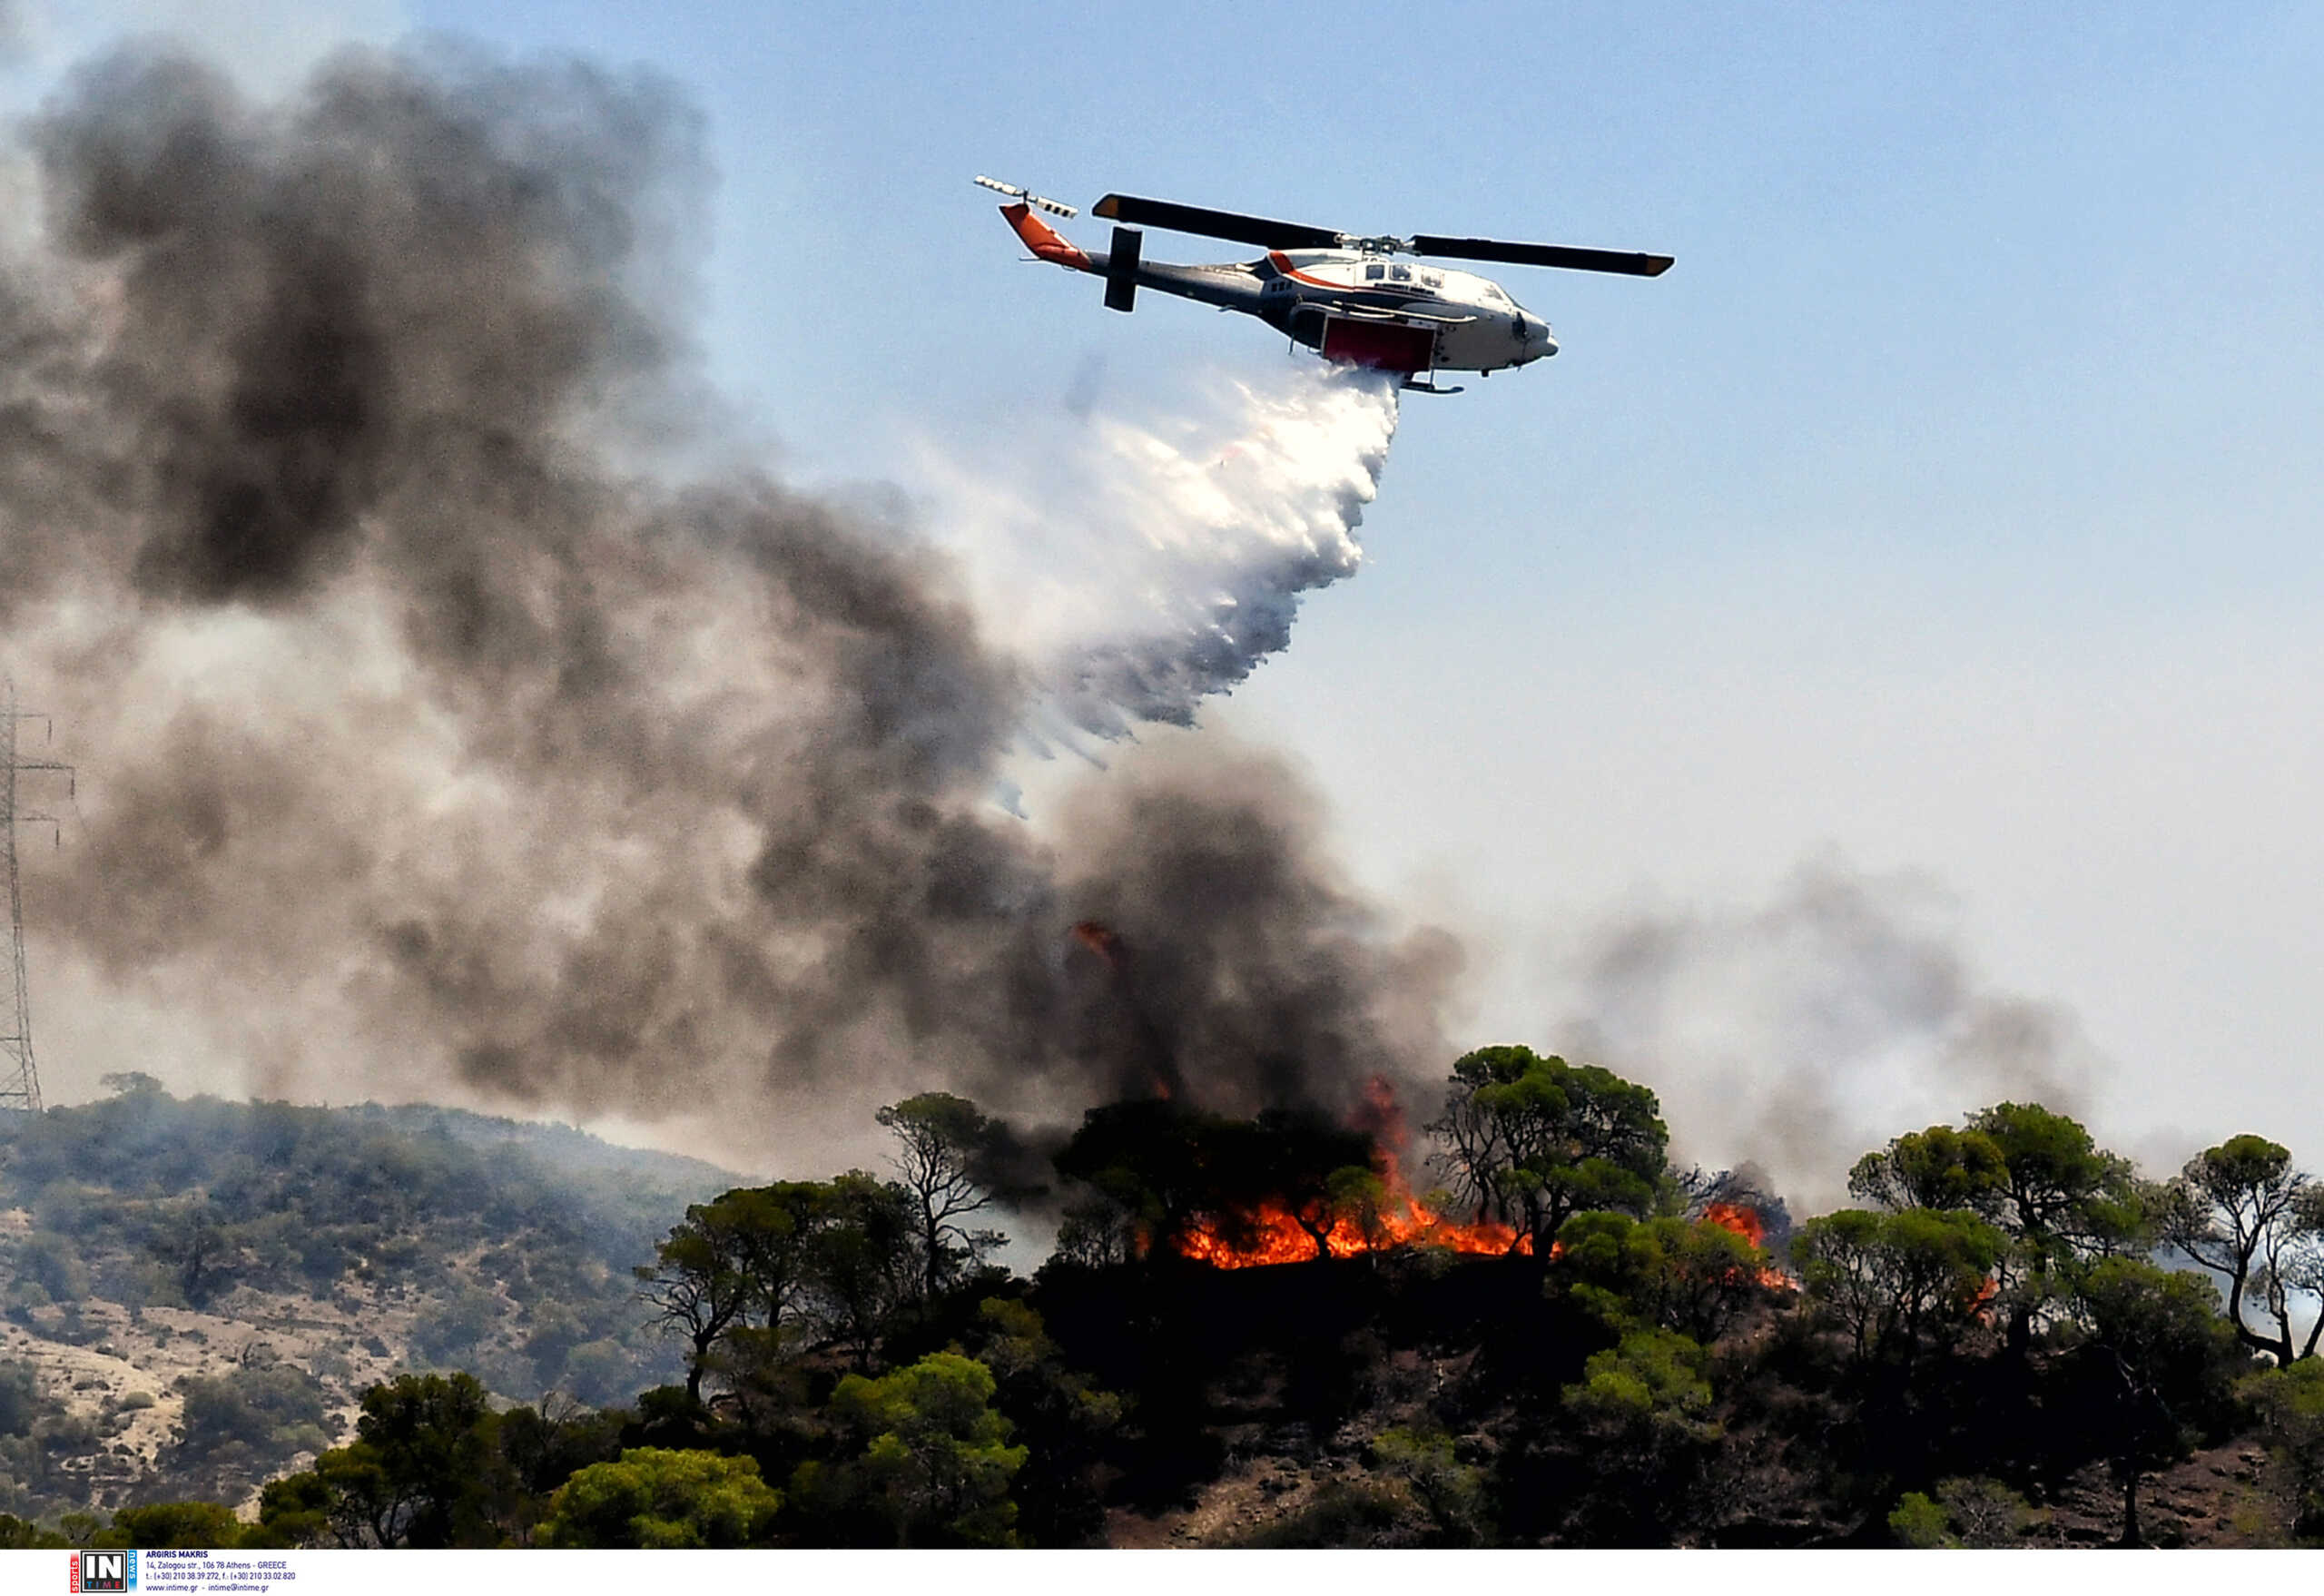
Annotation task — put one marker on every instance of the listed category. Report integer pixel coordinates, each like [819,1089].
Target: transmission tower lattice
[19,1079]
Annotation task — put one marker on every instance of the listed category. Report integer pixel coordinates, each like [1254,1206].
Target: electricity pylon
[19,1079]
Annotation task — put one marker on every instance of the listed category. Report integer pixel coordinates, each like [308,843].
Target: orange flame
[1745,1222]
[1273,1233]
[1742,1220]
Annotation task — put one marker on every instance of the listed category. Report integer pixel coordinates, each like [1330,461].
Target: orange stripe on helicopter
[1282,264]
[1041,238]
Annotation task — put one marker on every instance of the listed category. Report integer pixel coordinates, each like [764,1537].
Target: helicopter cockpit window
[1399,273]
[1432,280]
[1375,273]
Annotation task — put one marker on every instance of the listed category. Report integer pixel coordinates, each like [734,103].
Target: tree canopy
[654,1498]
[2241,1210]
[1532,1141]
[944,1150]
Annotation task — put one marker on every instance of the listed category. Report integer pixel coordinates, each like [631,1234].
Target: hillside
[196,1293]
[1245,1338]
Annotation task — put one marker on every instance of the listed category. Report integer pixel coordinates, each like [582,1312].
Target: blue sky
[1948,511]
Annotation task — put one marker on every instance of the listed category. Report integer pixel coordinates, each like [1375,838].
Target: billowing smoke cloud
[431,742]
[1807,1032]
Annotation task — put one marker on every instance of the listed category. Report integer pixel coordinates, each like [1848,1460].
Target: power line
[19,1079]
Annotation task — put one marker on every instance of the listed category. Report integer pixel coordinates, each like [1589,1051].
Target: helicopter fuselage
[1353,306]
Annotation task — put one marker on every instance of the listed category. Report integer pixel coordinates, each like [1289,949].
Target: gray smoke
[1811,1031]
[433,741]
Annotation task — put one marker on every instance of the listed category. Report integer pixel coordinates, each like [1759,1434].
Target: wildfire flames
[1745,1222]
[1273,1232]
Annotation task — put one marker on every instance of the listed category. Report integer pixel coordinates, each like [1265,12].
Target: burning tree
[1276,1189]
[1288,1187]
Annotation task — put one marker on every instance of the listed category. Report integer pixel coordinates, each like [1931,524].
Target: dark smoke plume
[431,737]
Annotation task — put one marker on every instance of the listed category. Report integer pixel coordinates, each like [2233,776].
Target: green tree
[432,1435]
[1939,1167]
[198,1250]
[1059,1413]
[1689,1275]
[2289,1402]
[930,1455]
[653,1498]
[699,1284]
[539,1450]
[1895,1281]
[173,1525]
[2063,1200]
[771,1235]
[1919,1523]
[859,1260]
[20,1398]
[420,1472]
[54,1261]
[1451,1492]
[1973,1511]
[1644,1413]
[2156,1369]
[2241,1210]
[945,1147]
[306,1509]
[1532,1140]
[22,1535]
[1655,1380]
[774,1229]
[273,1410]
[2058,1198]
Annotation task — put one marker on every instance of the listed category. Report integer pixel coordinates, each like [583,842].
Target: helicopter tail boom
[1042,239]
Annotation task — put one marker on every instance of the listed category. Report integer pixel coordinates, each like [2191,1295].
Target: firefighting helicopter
[1343,295]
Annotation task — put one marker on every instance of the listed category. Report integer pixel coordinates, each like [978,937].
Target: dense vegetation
[1572,1343]
[373,1238]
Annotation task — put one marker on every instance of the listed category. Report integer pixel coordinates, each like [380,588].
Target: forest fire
[1745,1222]
[1303,1191]
[1274,1234]
[1742,1220]
[1352,1222]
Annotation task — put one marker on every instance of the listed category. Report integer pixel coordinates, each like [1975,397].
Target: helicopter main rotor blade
[1246,230]
[1571,260]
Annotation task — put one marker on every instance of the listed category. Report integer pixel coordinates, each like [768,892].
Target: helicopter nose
[1540,341]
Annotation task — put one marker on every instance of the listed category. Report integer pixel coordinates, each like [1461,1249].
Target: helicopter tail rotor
[1052,206]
